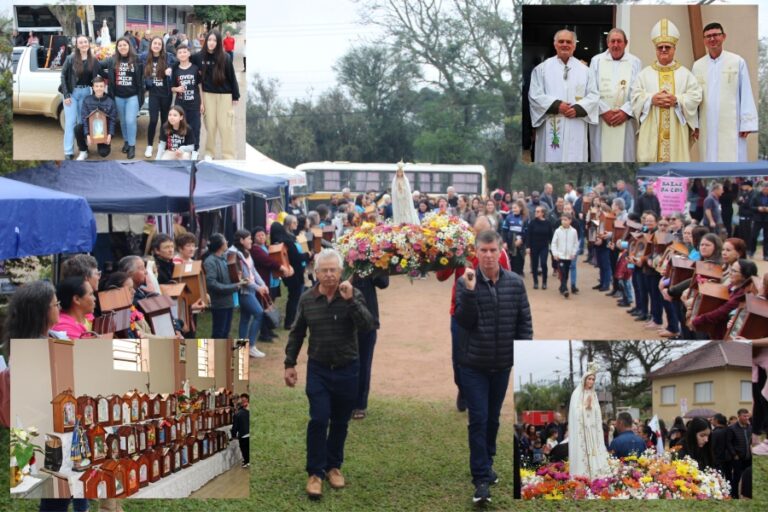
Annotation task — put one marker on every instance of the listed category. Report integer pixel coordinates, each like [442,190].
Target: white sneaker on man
[254,352]
[83,155]
[148,152]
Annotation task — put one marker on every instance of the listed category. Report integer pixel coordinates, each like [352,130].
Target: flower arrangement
[648,476]
[102,52]
[136,316]
[23,451]
[441,241]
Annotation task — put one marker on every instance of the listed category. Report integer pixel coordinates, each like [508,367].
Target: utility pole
[570,361]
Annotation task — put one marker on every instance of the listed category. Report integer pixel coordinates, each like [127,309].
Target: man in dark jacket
[648,201]
[744,229]
[719,442]
[492,309]
[334,312]
[739,448]
[103,103]
[760,216]
[240,429]
[626,442]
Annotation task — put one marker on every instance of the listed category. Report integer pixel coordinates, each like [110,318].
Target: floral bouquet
[22,452]
[441,241]
[449,241]
[648,476]
[102,52]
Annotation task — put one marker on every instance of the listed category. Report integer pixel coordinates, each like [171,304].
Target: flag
[656,428]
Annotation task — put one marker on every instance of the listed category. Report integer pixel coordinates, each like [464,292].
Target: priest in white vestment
[612,139]
[665,99]
[563,99]
[727,114]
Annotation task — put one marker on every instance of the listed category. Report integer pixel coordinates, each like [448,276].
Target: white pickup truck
[36,88]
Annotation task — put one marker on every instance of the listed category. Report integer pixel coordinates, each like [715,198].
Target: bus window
[466,183]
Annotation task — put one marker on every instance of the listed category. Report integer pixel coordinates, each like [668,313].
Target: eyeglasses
[712,36]
[57,305]
[664,48]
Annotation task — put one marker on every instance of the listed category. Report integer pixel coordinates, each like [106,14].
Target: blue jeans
[332,393]
[539,259]
[573,271]
[652,288]
[221,320]
[127,110]
[62,504]
[72,117]
[484,393]
[628,292]
[251,315]
[641,293]
[366,342]
[604,263]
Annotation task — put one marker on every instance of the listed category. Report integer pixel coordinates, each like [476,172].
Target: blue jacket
[627,443]
[512,227]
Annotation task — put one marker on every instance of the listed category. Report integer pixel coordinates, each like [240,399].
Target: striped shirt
[333,328]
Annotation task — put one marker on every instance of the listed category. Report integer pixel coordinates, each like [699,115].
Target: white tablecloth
[186,481]
[176,485]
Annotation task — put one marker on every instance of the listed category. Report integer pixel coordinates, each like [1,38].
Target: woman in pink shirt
[77,301]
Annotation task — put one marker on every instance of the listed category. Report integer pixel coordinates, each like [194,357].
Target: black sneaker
[632,311]
[125,148]
[597,287]
[482,494]
[543,286]
[574,290]
[494,478]
[535,286]
[566,294]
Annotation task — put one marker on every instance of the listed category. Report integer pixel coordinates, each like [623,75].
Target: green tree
[473,45]
[66,13]
[546,397]
[216,15]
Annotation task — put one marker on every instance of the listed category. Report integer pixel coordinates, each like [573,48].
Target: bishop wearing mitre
[665,99]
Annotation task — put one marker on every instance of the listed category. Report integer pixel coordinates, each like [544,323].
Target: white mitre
[664,31]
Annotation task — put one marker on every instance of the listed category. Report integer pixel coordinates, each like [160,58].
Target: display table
[176,485]
[186,481]
[33,487]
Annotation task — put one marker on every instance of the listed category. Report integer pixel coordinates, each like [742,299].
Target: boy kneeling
[103,103]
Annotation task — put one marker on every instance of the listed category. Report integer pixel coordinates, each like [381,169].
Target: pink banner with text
[672,193]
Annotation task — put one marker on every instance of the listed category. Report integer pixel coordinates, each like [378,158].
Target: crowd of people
[722,223]
[183,87]
[616,110]
[724,444]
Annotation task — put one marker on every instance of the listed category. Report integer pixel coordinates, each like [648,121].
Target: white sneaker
[148,152]
[83,155]
[254,352]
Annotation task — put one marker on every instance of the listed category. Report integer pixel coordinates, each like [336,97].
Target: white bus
[326,178]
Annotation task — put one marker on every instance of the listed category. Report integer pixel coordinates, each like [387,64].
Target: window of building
[205,358]
[242,363]
[668,395]
[746,391]
[130,355]
[136,12]
[158,16]
[703,392]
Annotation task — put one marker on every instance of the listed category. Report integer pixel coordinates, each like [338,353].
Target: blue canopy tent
[268,187]
[37,221]
[112,186]
[704,169]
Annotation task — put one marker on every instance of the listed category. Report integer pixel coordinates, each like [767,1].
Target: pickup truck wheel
[62,121]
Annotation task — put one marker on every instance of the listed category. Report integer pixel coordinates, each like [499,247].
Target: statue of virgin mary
[402,199]
[106,39]
[587,454]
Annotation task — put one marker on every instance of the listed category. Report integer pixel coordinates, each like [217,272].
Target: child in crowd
[240,429]
[565,248]
[624,276]
[176,139]
[96,101]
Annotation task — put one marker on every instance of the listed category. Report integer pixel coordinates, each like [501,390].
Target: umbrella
[702,413]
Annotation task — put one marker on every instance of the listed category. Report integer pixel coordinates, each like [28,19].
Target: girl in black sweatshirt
[220,94]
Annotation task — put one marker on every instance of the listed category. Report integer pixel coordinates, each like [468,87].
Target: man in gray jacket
[492,311]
